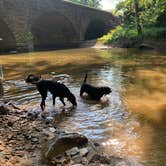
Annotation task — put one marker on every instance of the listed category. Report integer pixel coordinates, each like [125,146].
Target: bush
[121,33]
[153,33]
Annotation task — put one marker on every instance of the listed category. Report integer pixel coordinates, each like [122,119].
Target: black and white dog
[93,92]
[55,88]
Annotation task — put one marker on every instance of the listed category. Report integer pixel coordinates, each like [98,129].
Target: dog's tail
[85,78]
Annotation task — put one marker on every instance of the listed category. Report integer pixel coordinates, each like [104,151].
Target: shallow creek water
[129,123]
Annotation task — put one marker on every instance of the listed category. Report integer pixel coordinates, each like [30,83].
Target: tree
[142,13]
[136,5]
[91,3]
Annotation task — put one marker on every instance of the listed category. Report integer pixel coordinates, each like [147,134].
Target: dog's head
[33,79]
[72,99]
[106,90]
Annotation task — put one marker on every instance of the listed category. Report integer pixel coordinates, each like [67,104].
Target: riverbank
[28,140]
[158,45]
[125,37]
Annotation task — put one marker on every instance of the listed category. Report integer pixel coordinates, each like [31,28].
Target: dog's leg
[62,100]
[81,92]
[43,95]
[42,104]
[53,98]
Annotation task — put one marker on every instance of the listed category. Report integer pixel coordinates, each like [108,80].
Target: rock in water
[4,109]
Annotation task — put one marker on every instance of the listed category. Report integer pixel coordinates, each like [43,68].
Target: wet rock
[84,152]
[64,142]
[49,119]
[145,46]
[77,158]
[72,152]
[52,129]
[110,160]
[96,144]
[33,115]
[73,138]
[4,110]
[91,152]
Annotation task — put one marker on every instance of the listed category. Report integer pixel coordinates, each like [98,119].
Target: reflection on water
[129,123]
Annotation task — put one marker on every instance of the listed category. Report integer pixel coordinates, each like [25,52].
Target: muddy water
[129,123]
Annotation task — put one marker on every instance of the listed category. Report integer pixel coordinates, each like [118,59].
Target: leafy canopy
[151,12]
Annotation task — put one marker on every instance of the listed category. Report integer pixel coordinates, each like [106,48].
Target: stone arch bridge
[46,24]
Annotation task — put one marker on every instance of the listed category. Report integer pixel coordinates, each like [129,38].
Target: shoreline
[158,45]
[28,140]
[153,44]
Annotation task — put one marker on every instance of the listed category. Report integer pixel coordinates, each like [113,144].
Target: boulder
[64,142]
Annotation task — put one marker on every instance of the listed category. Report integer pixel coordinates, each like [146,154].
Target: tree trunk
[136,5]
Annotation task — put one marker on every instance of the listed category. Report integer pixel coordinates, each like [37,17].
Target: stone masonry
[37,24]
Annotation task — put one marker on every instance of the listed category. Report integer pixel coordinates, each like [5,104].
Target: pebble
[72,152]
[84,152]
[34,139]
[52,129]
[49,119]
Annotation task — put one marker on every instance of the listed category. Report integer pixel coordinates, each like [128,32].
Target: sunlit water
[129,123]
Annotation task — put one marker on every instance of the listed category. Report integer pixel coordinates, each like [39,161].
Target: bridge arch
[95,29]
[53,30]
[7,39]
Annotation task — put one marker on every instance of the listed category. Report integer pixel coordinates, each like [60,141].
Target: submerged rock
[4,110]
[145,46]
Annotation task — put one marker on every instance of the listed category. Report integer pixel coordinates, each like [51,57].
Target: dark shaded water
[129,123]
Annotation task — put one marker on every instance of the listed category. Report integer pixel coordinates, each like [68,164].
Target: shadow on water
[130,123]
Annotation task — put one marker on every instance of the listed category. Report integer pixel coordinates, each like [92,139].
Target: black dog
[55,88]
[94,93]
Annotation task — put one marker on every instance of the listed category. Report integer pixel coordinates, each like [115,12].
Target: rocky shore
[28,141]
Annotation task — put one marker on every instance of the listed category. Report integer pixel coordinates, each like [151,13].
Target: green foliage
[91,3]
[153,33]
[119,33]
[150,15]
[124,33]
[151,12]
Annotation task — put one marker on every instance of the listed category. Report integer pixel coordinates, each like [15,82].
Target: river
[129,123]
